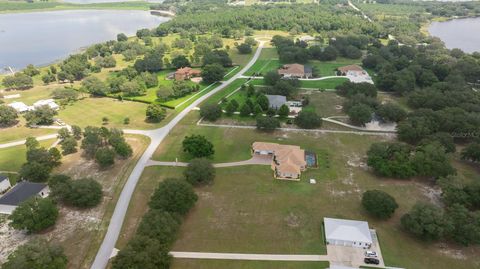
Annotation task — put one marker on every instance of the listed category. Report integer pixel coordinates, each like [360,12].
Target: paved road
[156,137]
[250,257]
[22,142]
[255,160]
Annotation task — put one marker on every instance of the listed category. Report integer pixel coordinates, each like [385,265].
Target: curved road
[156,136]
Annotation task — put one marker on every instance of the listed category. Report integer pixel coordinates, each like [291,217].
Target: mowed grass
[246,211]
[325,103]
[12,158]
[327,84]
[221,264]
[20,131]
[267,61]
[90,111]
[328,68]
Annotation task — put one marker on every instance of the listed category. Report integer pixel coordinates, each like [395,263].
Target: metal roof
[347,230]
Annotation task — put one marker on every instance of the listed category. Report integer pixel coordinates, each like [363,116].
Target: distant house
[276,101]
[288,161]
[20,107]
[351,70]
[21,192]
[4,184]
[47,102]
[306,38]
[295,71]
[352,233]
[186,73]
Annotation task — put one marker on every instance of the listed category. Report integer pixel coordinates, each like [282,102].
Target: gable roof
[347,230]
[352,67]
[290,159]
[21,192]
[292,69]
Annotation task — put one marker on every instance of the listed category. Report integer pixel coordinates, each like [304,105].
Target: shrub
[174,196]
[199,172]
[34,215]
[37,253]
[197,146]
[105,157]
[379,204]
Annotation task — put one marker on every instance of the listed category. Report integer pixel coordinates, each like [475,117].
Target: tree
[143,252]
[122,37]
[35,171]
[151,62]
[105,157]
[379,204]
[76,132]
[174,196]
[329,54]
[19,81]
[199,172]
[391,112]
[232,106]
[180,61]
[283,111]
[160,225]
[65,94]
[471,152]
[212,73]
[271,78]
[262,100]
[245,110]
[220,57]
[37,253]
[244,48]
[211,112]
[60,186]
[267,123]
[155,113]
[31,71]
[40,116]
[197,146]
[31,143]
[425,221]
[308,119]
[85,192]
[34,215]
[430,160]
[8,116]
[391,160]
[48,77]
[462,226]
[95,86]
[360,114]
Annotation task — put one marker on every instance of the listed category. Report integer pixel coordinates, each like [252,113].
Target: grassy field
[267,61]
[324,103]
[327,84]
[20,131]
[245,209]
[20,6]
[329,68]
[12,158]
[90,111]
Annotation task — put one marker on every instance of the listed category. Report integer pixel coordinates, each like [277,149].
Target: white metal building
[20,107]
[351,233]
[4,183]
[47,102]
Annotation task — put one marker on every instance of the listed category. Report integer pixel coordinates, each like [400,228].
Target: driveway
[156,138]
[255,160]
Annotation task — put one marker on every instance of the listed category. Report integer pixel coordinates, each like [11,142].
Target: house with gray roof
[352,233]
[276,101]
[21,192]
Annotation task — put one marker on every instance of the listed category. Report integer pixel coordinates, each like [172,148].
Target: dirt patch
[10,239]
[292,220]
[433,193]
[453,253]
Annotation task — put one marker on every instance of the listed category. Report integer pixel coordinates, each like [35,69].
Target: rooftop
[352,67]
[21,192]
[3,177]
[347,230]
[276,101]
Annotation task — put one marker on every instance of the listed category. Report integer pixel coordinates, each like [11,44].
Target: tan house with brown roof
[186,73]
[288,161]
[352,70]
[295,71]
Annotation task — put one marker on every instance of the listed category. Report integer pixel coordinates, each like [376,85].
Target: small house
[20,107]
[276,101]
[185,73]
[47,102]
[21,192]
[288,161]
[295,71]
[352,233]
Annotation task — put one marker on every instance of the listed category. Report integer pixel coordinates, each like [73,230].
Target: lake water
[459,33]
[41,38]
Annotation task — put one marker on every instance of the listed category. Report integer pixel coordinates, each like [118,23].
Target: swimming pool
[311,159]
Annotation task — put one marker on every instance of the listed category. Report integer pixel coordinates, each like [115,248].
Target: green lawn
[327,84]
[90,111]
[20,131]
[328,68]
[217,97]
[263,66]
[11,159]
[246,211]
[324,103]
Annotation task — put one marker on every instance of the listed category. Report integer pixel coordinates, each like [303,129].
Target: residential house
[4,184]
[276,101]
[20,107]
[21,192]
[288,161]
[47,102]
[351,70]
[186,73]
[352,233]
[295,71]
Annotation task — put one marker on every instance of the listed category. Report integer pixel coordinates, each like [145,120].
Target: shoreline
[129,5]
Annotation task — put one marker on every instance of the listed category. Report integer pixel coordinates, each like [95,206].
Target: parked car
[371,261]
[371,254]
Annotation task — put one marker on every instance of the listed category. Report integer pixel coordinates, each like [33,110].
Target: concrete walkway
[248,257]
[22,142]
[255,160]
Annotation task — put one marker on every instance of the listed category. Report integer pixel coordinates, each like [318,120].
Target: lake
[41,38]
[459,33]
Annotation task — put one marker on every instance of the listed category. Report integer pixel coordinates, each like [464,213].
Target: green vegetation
[219,264]
[27,256]
[34,215]
[20,6]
